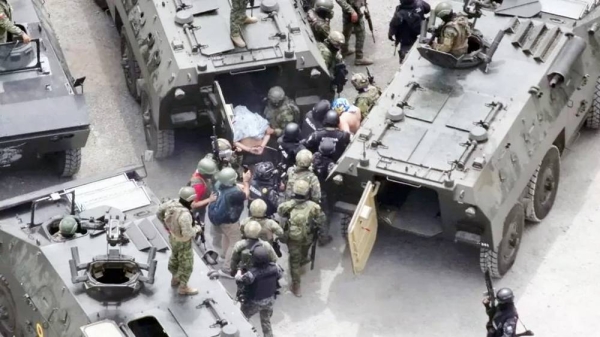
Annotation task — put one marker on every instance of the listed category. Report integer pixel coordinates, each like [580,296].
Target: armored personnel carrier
[110,278]
[42,109]
[180,63]
[469,148]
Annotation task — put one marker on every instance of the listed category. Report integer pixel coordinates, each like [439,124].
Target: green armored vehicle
[180,62]
[468,148]
[108,276]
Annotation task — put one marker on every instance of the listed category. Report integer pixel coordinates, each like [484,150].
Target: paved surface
[412,286]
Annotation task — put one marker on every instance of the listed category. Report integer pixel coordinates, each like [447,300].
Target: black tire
[543,186]
[102,4]
[131,69]
[67,162]
[8,311]
[593,118]
[161,142]
[500,260]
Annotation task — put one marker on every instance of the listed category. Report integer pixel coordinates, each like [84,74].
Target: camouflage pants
[181,262]
[325,206]
[265,308]
[237,16]
[359,32]
[298,252]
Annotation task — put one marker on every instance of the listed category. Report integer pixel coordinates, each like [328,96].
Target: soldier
[405,25]
[178,220]
[368,94]
[454,34]
[290,144]
[201,181]
[302,171]
[319,17]
[330,133]
[270,228]
[330,49]
[7,25]
[264,186]
[67,227]
[314,118]
[504,316]
[301,214]
[238,18]
[241,255]
[226,155]
[353,21]
[259,287]
[280,110]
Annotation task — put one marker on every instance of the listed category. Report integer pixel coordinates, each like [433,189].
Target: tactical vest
[246,256]
[265,282]
[461,26]
[172,219]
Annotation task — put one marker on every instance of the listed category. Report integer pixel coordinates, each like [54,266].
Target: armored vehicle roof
[45,266]
[36,88]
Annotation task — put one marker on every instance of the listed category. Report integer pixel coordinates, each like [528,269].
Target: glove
[391,38]
[239,276]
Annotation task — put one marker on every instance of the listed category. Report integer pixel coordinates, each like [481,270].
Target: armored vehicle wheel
[8,314]
[162,142]
[65,163]
[101,3]
[503,257]
[543,186]
[593,119]
[131,69]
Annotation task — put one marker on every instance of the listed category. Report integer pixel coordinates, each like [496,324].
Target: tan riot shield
[362,230]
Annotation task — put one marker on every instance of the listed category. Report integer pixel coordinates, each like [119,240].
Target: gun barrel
[423,34]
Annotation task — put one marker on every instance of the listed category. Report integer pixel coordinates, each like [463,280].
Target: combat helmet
[304,158]
[324,8]
[504,296]
[67,226]
[260,256]
[320,109]
[360,81]
[291,132]
[443,11]
[336,39]
[207,166]
[187,193]
[252,229]
[223,144]
[264,171]
[227,176]
[332,119]
[276,95]
[300,189]
[258,208]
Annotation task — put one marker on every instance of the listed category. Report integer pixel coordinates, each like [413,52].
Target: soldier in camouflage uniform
[67,228]
[280,110]
[241,256]
[319,17]
[353,20]
[7,25]
[330,49]
[301,213]
[237,19]
[178,220]
[368,94]
[302,171]
[454,34]
[270,228]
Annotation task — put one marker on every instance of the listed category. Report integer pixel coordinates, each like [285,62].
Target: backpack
[410,19]
[172,215]
[298,223]
[221,211]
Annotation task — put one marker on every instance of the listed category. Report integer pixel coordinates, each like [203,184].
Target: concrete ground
[411,286]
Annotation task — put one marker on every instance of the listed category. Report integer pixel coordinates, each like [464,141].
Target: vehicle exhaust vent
[534,39]
[547,44]
[522,34]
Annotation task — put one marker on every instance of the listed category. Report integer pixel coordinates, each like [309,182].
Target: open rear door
[362,230]
[225,110]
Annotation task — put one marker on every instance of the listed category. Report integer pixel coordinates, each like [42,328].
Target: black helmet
[260,256]
[291,132]
[327,147]
[331,119]
[320,109]
[505,295]
[264,170]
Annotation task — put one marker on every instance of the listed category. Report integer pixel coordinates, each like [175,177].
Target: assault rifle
[209,256]
[314,229]
[340,73]
[370,76]
[369,21]
[215,148]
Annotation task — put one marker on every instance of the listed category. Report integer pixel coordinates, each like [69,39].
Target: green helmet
[207,166]
[301,188]
[443,10]
[336,39]
[276,95]
[187,193]
[360,81]
[227,176]
[324,7]
[258,208]
[223,144]
[252,229]
[67,226]
[304,158]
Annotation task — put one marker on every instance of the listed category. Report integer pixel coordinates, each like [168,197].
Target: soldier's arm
[187,230]
[160,213]
[315,189]
[448,37]
[236,255]
[362,104]
[8,25]
[318,214]
[272,254]
[275,228]
[242,225]
[284,209]
[296,111]
[346,7]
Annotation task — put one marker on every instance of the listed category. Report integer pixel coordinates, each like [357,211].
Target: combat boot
[250,20]
[363,61]
[347,51]
[296,290]
[185,290]
[238,41]
[174,281]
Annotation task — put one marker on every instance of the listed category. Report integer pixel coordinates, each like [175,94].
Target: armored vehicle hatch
[42,109]
[180,62]
[110,278]
[469,154]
